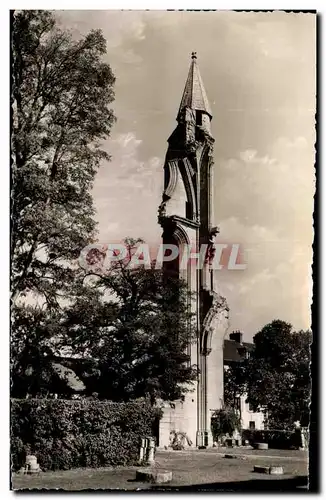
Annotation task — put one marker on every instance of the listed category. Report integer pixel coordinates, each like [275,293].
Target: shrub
[277,439]
[179,440]
[79,433]
[225,421]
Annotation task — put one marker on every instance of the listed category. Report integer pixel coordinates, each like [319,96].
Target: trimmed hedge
[79,433]
[277,439]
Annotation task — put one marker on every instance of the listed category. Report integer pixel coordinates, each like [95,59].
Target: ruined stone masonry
[186,217]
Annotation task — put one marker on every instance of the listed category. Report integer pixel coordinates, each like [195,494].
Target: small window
[199,118]
[238,403]
[252,425]
[188,210]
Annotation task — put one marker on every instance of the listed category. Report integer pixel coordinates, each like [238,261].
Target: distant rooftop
[235,350]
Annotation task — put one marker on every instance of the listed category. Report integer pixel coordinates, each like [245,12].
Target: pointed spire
[194,95]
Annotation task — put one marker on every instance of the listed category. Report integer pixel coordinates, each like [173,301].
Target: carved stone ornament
[217,315]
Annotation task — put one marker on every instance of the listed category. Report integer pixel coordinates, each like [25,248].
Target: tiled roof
[194,95]
[234,351]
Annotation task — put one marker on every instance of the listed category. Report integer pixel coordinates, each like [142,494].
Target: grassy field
[198,470]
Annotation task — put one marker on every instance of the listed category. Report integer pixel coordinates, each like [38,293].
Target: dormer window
[243,352]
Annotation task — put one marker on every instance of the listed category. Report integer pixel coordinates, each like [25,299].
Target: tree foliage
[130,330]
[234,383]
[61,92]
[61,89]
[276,377]
[133,326]
[136,329]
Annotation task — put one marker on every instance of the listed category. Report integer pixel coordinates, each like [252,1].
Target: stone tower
[186,217]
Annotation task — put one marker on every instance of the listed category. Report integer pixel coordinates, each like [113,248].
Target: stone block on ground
[239,457]
[261,446]
[261,469]
[154,476]
[276,470]
[31,465]
[268,470]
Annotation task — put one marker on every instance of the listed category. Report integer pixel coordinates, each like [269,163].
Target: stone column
[204,434]
[208,432]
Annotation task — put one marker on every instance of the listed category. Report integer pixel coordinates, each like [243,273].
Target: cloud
[272,190]
[127,191]
[119,30]
[277,282]
[270,198]
[263,124]
[267,209]
[274,34]
[116,26]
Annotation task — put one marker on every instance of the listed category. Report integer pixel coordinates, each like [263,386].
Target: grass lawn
[196,470]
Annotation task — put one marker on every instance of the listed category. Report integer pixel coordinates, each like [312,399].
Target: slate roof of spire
[194,95]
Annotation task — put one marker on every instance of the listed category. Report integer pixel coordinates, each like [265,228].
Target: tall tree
[60,95]
[61,92]
[277,374]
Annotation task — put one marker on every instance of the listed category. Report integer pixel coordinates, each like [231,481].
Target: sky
[258,70]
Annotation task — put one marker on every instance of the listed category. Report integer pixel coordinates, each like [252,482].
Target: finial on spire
[193,55]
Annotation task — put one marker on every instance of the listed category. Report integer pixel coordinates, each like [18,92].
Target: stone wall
[179,416]
[248,416]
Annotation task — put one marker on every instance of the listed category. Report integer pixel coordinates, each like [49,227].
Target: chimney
[236,336]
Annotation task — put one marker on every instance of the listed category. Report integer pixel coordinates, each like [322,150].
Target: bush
[277,439]
[225,421]
[82,433]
